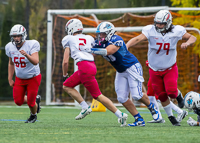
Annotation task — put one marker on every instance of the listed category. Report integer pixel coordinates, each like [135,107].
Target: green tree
[14,14]
[5,89]
[189,18]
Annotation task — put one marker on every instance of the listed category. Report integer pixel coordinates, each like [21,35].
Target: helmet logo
[108,26]
[189,101]
[69,22]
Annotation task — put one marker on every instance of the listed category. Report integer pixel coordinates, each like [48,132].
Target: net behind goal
[128,26]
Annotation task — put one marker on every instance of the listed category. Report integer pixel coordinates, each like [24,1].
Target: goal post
[51,13]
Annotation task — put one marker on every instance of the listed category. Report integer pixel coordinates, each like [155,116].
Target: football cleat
[174,121]
[138,122]
[123,119]
[154,112]
[191,122]
[31,119]
[38,99]
[158,121]
[181,116]
[180,99]
[83,113]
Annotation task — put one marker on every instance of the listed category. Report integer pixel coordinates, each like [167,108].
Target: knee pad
[18,102]
[173,96]
[122,99]
[163,96]
[172,93]
[122,96]
[137,97]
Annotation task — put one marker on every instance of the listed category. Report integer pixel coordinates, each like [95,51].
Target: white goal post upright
[50,14]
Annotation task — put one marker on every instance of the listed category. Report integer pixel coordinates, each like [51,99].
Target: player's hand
[65,77]
[191,122]
[184,45]
[11,83]
[23,52]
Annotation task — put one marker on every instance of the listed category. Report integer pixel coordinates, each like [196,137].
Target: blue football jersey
[122,59]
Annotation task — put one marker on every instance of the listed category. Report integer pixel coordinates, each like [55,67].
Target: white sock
[34,114]
[118,113]
[84,105]
[168,110]
[153,100]
[175,108]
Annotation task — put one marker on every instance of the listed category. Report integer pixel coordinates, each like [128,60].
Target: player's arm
[111,49]
[136,40]
[65,62]
[11,70]
[190,40]
[33,58]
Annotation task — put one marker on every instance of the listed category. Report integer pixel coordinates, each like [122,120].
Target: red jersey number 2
[165,46]
[82,42]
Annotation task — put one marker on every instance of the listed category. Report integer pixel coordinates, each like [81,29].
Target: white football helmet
[73,25]
[192,100]
[17,30]
[163,17]
[107,28]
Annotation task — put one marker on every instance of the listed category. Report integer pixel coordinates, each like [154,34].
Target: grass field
[59,125]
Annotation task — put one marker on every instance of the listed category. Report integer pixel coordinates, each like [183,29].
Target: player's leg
[198,118]
[170,80]
[122,90]
[32,91]
[89,81]
[135,79]
[181,113]
[25,99]
[153,100]
[122,117]
[159,89]
[68,87]
[19,90]
[180,99]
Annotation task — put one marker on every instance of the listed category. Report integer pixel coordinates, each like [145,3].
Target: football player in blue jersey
[129,75]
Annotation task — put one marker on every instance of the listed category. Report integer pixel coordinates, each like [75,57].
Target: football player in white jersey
[24,61]
[163,38]
[72,43]
[153,97]
[192,102]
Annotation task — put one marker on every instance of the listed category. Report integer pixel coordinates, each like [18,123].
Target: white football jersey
[24,69]
[74,43]
[162,49]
